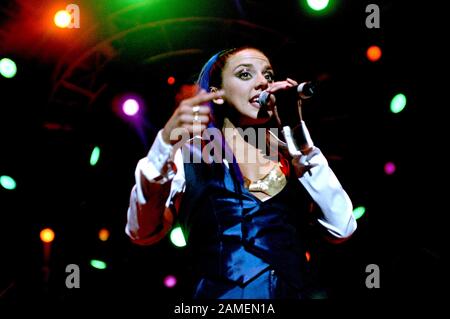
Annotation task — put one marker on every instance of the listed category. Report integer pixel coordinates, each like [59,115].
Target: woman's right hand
[190,115]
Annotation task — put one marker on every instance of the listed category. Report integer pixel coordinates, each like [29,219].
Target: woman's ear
[218,101]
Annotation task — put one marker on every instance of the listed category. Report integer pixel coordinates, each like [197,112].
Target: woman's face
[245,75]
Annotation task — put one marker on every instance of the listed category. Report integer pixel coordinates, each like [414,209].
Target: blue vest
[234,236]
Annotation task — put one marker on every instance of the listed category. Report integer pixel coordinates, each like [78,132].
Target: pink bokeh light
[130,107]
[389,168]
[170,281]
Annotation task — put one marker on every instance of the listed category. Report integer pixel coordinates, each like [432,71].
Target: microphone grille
[264,99]
[306,89]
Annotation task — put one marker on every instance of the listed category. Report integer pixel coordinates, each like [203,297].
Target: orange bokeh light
[308,256]
[374,53]
[47,235]
[103,234]
[62,19]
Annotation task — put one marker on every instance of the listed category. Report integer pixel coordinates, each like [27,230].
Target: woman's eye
[244,75]
[269,77]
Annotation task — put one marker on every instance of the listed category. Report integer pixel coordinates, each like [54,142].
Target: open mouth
[254,101]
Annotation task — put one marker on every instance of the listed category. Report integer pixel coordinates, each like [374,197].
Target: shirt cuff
[159,152]
[298,140]
[156,167]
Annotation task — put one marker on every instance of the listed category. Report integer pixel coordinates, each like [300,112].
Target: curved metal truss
[77,80]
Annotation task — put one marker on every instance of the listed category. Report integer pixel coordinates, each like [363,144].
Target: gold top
[271,184]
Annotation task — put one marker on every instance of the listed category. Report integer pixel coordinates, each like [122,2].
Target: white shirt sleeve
[323,186]
[159,178]
[325,189]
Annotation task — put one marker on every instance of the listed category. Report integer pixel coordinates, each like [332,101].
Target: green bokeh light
[98,264]
[177,237]
[8,68]
[359,211]
[95,155]
[7,182]
[398,103]
[318,5]
[319,8]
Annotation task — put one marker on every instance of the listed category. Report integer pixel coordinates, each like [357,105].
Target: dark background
[62,102]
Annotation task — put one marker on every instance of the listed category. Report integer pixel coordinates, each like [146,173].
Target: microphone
[304,90]
[298,140]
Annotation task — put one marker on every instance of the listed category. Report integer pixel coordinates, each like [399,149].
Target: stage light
[8,68]
[373,53]
[359,211]
[62,19]
[389,168]
[171,80]
[177,237]
[318,5]
[308,256]
[103,234]
[47,235]
[98,264]
[319,8]
[398,103]
[7,182]
[95,155]
[130,107]
[170,281]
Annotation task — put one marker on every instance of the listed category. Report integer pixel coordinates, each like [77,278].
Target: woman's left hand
[281,85]
[278,86]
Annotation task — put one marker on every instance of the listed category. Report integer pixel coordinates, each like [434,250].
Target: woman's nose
[262,82]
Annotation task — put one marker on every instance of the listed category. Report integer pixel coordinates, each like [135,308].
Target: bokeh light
[130,107]
[170,281]
[62,19]
[177,237]
[8,68]
[359,211]
[98,264]
[171,80]
[389,168]
[318,5]
[7,182]
[47,235]
[398,103]
[95,156]
[374,53]
[103,234]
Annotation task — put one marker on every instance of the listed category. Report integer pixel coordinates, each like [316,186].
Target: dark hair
[211,73]
[211,76]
